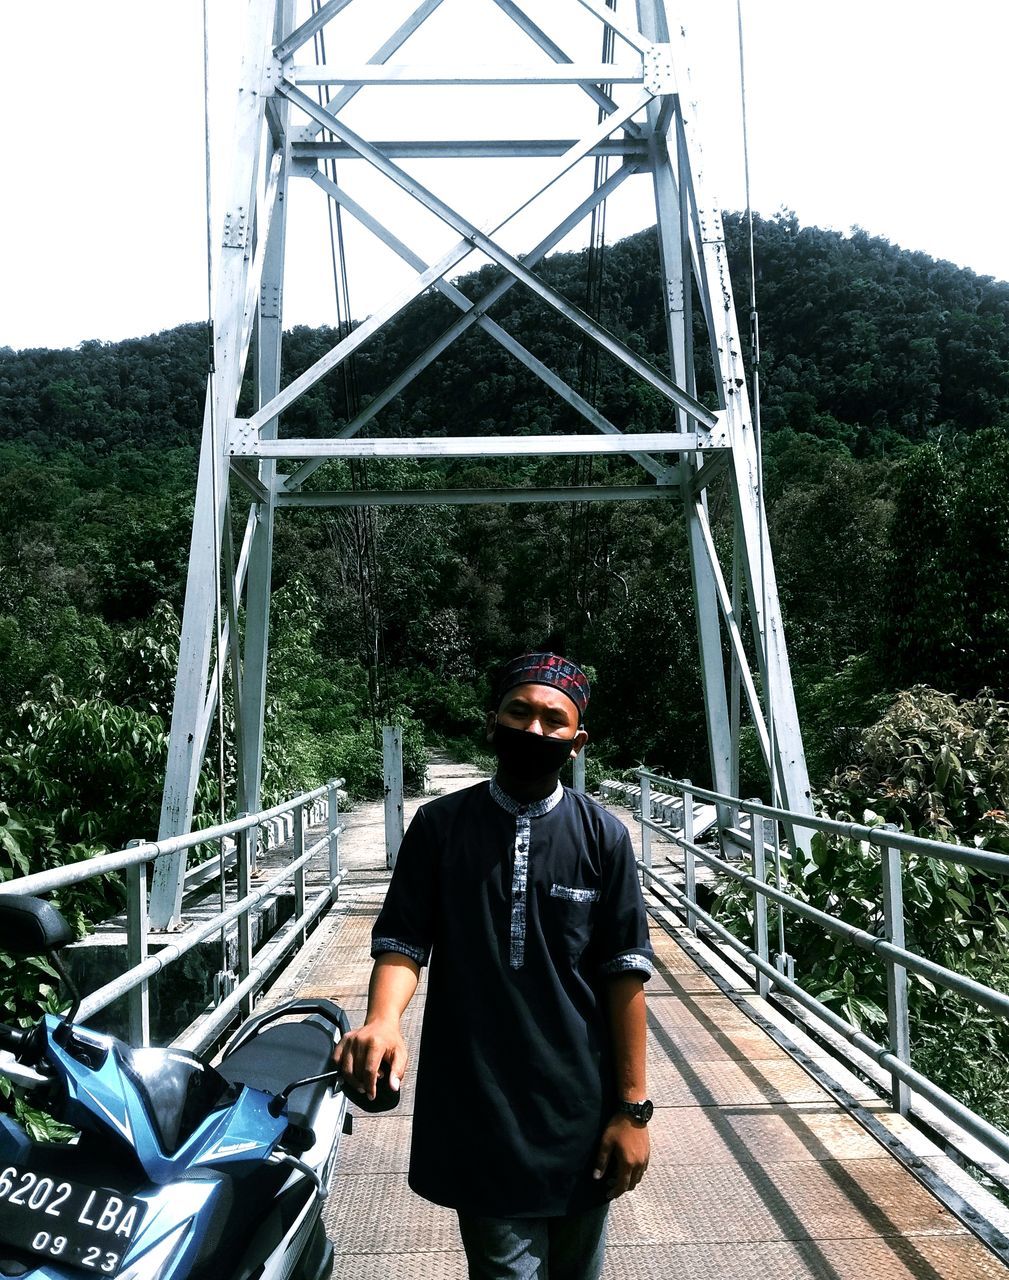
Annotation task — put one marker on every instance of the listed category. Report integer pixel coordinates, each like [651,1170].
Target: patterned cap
[546,668]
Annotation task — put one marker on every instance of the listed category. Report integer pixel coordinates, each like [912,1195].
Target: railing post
[759,868]
[139,999]
[333,823]
[689,870]
[392,766]
[578,772]
[783,962]
[248,838]
[645,811]
[299,875]
[897,1021]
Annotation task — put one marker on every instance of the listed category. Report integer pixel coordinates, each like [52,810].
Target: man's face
[539,708]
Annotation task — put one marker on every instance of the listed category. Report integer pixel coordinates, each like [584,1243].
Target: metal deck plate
[401,1266]
[755,1171]
[921,1258]
[763,1134]
[377,1213]
[795,1200]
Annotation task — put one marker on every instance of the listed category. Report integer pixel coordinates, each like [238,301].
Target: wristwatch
[640,1111]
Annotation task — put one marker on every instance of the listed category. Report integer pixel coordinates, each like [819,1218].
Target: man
[531,1110]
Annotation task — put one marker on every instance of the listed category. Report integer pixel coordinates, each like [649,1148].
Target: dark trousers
[569,1248]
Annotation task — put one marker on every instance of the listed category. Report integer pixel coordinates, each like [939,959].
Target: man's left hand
[623,1153]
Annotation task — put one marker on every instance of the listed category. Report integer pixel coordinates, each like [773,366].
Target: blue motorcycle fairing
[244,1130]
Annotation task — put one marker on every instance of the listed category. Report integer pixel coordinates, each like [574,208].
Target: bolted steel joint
[273,73]
[659,76]
[236,228]
[242,439]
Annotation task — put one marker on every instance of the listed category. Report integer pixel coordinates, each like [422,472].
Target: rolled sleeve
[629,962]
[405,924]
[622,944]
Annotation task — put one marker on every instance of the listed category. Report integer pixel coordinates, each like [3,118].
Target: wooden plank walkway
[756,1170]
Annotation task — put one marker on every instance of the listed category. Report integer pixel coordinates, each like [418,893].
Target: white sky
[886,114]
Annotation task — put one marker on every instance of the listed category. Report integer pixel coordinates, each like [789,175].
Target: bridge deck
[756,1169]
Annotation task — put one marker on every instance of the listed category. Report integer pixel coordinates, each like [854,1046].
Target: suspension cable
[761,515]
[215,476]
[758,440]
[363,519]
[580,550]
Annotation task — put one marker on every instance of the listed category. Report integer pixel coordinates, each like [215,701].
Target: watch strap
[640,1111]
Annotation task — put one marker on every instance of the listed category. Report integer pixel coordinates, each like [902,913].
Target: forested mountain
[886,401]
[885,381]
[860,339]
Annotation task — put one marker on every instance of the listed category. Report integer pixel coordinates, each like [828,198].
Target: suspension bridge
[788,1142]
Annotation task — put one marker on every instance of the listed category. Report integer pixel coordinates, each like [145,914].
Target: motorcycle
[181,1170]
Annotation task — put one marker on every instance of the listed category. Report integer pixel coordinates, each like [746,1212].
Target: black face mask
[529,756]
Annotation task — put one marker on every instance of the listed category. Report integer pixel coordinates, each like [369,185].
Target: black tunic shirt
[523,911]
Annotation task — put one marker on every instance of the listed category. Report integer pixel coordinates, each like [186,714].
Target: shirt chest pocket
[572,912]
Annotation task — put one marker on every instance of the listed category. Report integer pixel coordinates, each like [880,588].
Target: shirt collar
[535,810]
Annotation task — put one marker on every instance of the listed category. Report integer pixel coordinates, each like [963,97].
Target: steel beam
[473,237]
[475,497]
[182,769]
[246,444]
[309,28]
[460,326]
[269,325]
[788,771]
[382,55]
[468,149]
[554,51]
[470,74]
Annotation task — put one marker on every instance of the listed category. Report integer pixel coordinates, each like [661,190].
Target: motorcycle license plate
[70,1222]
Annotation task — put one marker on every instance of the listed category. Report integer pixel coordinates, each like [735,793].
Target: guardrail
[762,842]
[321,804]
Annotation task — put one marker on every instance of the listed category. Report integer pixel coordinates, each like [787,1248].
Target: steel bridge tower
[635,109]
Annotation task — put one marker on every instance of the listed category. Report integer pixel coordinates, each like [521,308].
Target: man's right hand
[372,1052]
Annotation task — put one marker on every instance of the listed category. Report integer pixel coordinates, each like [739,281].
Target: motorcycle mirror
[386,1098]
[31,926]
[279,1101]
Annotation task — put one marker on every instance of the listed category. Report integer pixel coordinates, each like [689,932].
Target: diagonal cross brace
[474,313]
[463,323]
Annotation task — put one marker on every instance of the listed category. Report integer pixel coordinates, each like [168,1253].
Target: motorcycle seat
[280,1054]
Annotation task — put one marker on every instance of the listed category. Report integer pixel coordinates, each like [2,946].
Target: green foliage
[935,765]
[39,1125]
[87,764]
[946,598]
[834,707]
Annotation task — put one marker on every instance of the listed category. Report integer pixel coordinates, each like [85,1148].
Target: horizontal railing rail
[652,797]
[242,835]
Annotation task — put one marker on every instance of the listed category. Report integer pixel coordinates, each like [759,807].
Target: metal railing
[311,807]
[761,841]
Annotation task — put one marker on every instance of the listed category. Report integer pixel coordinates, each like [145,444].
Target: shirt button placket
[519,882]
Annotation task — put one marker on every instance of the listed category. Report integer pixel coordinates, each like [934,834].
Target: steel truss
[639,113]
